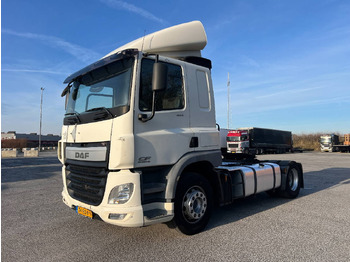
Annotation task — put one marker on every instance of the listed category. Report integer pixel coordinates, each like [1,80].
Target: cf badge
[144,159]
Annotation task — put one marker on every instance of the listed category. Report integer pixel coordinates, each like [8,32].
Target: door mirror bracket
[159,83]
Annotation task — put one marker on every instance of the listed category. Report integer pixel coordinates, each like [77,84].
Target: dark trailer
[264,140]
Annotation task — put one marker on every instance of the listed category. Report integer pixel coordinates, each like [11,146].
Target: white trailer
[139,139]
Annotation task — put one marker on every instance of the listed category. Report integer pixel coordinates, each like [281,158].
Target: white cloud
[81,53]
[286,93]
[133,9]
[247,61]
[33,71]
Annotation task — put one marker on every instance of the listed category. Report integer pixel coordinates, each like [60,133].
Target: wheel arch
[205,169]
[202,163]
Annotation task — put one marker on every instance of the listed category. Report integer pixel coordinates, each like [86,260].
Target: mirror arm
[160,72]
[66,90]
[66,100]
[143,117]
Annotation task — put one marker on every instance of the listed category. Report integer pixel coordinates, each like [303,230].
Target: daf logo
[81,155]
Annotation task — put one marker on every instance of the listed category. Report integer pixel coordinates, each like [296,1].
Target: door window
[171,98]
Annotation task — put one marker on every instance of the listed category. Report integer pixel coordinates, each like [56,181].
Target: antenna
[228,100]
[143,40]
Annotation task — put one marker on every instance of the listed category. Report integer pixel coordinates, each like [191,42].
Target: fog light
[121,194]
[117,216]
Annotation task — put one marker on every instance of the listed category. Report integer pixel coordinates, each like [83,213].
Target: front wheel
[193,203]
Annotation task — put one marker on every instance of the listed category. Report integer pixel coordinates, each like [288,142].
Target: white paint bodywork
[166,138]
[178,41]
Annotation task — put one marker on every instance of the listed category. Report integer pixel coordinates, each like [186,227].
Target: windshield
[233,138]
[325,140]
[102,89]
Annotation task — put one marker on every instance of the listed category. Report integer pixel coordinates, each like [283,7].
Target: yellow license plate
[83,211]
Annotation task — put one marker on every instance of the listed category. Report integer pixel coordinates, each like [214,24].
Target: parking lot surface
[37,226]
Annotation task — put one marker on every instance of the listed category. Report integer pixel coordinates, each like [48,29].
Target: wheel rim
[194,204]
[293,179]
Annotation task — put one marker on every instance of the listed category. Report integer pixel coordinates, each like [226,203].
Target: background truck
[343,147]
[139,139]
[254,140]
[327,142]
[347,139]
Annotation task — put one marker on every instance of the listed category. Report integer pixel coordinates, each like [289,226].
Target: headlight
[121,194]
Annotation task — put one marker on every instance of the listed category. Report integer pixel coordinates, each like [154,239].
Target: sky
[288,61]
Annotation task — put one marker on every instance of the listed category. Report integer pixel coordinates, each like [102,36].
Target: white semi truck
[139,139]
[328,142]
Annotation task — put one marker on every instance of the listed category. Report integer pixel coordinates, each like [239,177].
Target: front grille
[233,145]
[86,184]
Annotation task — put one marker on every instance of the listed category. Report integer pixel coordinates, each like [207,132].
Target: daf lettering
[81,155]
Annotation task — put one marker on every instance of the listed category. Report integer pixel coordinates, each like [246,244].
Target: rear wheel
[193,203]
[293,182]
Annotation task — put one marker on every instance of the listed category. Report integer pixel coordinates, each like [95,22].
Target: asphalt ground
[37,226]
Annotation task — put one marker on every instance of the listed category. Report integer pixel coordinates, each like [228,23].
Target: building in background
[12,139]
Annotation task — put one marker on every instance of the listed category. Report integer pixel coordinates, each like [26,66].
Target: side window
[203,89]
[170,99]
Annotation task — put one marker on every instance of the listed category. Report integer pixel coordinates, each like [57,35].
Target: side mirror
[160,76]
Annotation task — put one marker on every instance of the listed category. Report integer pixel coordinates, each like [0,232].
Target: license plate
[84,212]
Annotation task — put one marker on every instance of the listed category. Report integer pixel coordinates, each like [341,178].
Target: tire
[293,182]
[193,203]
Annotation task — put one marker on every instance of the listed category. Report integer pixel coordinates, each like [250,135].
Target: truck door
[165,138]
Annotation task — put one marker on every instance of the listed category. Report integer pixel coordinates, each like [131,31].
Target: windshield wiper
[74,114]
[101,108]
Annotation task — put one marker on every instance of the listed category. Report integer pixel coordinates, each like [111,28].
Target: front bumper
[133,208]
[235,150]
